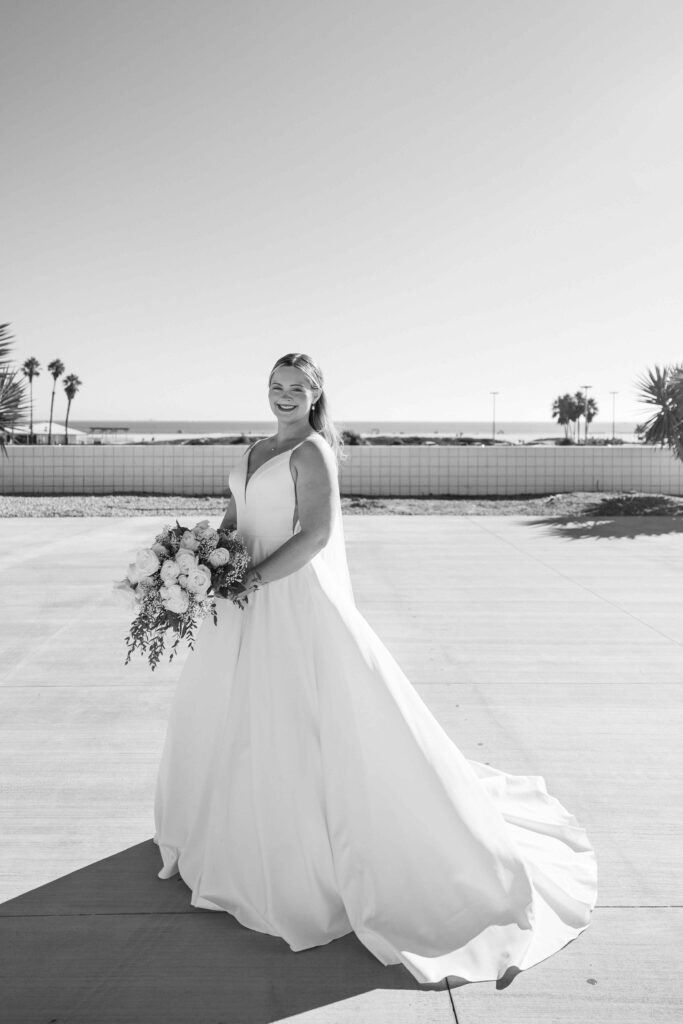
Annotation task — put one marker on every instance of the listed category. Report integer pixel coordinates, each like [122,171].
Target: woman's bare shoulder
[315,454]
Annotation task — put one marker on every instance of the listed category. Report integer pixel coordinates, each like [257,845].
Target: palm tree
[562,410]
[56,368]
[71,386]
[31,369]
[578,408]
[590,412]
[13,402]
[663,387]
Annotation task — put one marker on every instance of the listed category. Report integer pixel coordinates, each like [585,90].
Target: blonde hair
[319,418]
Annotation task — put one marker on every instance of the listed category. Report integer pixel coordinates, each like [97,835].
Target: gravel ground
[576,503]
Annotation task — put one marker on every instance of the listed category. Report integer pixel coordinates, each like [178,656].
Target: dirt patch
[575,503]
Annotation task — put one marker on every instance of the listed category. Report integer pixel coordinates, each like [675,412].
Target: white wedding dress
[305,788]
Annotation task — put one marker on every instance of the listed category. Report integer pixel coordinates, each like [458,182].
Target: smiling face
[291,395]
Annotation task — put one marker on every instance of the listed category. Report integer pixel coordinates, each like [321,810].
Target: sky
[433,199]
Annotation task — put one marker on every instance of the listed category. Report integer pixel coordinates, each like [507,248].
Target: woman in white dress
[304,786]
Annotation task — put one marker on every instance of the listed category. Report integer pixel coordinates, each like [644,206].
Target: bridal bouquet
[174,582]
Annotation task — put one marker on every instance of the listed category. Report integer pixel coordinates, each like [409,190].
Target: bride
[304,786]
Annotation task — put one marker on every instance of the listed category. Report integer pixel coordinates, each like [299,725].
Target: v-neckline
[248,479]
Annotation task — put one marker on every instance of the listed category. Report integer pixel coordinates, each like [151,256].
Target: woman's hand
[251,582]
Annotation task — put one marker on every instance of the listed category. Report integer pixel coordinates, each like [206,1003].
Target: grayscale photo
[341,489]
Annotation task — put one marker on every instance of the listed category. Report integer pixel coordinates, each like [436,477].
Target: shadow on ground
[113,942]
[623,516]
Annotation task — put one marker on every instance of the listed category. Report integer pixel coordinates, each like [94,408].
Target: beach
[367,431]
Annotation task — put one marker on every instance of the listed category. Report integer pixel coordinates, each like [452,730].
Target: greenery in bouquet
[174,584]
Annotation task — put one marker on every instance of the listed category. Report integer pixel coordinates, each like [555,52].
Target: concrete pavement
[543,646]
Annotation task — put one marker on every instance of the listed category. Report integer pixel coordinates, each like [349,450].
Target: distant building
[41,431]
[99,434]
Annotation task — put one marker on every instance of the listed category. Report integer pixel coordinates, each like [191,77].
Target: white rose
[188,541]
[160,550]
[170,570]
[179,605]
[146,562]
[199,580]
[174,599]
[219,557]
[182,579]
[186,560]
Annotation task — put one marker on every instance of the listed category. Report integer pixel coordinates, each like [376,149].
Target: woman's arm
[315,487]
[229,521]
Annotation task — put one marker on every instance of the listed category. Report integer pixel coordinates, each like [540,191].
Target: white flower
[206,533]
[188,541]
[186,560]
[182,579]
[219,557]
[199,580]
[160,550]
[179,605]
[146,562]
[132,573]
[170,570]
[174,599]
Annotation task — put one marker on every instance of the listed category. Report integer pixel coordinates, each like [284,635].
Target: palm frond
[592,410]
[71,384]
[56,368]
[14,404]
[663,388]
[6,340]
[31,368]
[653,385]
[676,394]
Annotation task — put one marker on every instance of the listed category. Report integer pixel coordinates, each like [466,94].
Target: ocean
[506,430]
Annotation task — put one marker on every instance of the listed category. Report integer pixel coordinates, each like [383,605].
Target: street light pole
[493,427]
[585,430]
[613,393]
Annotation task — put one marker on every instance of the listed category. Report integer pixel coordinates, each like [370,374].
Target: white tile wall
[368,470]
